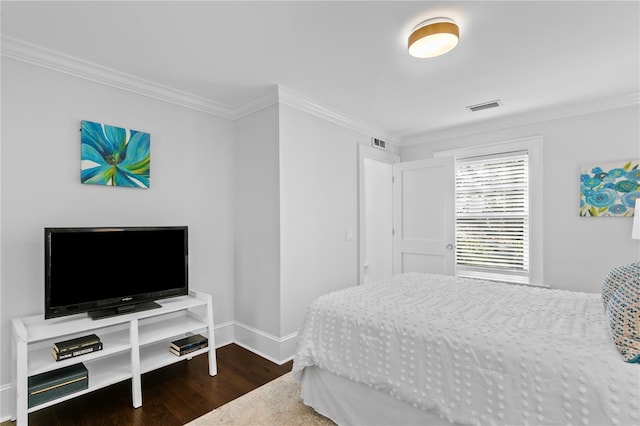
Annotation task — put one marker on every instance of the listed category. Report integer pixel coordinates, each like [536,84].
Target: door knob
[449,246]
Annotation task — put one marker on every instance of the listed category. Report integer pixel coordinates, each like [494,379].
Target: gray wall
[319,204]
[257,224]
[191,183]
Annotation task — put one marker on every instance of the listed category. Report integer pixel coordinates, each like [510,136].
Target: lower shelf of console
[102,372]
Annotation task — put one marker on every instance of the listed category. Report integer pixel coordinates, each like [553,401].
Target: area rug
[276,403]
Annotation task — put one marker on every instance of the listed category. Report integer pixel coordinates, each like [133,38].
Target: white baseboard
[224,333]
[276,349]
[6,402]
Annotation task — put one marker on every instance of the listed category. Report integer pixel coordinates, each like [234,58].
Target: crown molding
[516,120]
[46,58]
[281,95]
[302,103]
[256,103]
[50,59]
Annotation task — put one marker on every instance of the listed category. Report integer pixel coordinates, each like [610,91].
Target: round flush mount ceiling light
[433,37]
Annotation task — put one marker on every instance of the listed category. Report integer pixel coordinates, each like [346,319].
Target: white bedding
[475,352]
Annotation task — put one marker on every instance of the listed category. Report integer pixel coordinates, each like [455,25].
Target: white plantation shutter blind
[492,216]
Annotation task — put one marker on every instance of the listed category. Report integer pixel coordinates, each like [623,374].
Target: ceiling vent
[378,143]
[484,105]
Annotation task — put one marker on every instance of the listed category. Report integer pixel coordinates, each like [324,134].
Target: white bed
[433,349]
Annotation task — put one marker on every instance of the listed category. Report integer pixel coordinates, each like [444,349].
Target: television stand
[133,344]
[121,310]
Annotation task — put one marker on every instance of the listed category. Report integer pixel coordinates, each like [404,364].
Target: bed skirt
[350,403]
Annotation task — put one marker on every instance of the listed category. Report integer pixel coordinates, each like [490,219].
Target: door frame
[365,151]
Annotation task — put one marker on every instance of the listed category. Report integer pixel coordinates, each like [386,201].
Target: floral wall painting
[114,156]
[609,189]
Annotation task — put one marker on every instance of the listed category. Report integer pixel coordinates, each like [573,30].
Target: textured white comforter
[475,352]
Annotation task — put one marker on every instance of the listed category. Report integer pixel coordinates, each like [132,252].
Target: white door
[376,207]
[377,220]
[423,216]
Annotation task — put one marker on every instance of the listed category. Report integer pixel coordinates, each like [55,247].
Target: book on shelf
[57,383]
[189,349]
[188,344]
[75,344]
[59,356]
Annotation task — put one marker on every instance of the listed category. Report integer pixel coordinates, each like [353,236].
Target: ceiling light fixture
[433,37]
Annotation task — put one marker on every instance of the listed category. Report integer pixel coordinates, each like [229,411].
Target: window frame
[533,146]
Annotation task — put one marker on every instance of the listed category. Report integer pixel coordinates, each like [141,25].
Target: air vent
[484,105]
[378,143]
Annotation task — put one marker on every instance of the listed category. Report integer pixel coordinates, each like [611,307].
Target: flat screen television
[113,270]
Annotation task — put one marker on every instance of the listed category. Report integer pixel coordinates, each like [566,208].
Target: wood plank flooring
[172,395]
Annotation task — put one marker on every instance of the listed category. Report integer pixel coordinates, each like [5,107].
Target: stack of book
[76,347]
[188,344]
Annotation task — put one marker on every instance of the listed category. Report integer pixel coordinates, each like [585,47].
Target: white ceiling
[351,57]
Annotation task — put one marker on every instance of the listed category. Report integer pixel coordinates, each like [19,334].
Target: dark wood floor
[172,395]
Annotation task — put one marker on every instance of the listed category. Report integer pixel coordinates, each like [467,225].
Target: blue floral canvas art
[609,189]
[114,156]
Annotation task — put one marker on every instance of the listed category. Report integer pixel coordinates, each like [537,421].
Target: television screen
[113,270]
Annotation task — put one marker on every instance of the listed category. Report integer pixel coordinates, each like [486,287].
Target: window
[498,211]
[492,216]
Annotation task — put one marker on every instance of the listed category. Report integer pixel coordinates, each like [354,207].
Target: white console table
[133,344]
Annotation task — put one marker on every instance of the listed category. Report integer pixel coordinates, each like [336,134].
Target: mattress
[474,352]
